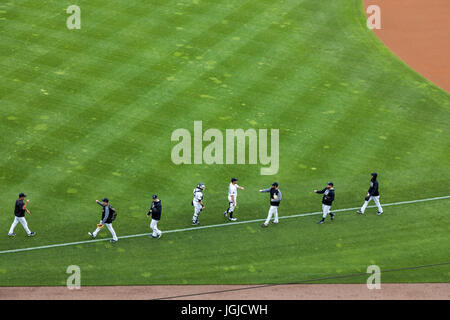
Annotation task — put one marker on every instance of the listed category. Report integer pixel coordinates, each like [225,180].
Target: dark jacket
[373,190]
[274,202]
[328,196]
[156,210]
[19,211]
[106,213]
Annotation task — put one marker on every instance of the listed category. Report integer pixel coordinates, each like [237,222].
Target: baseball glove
[99,226]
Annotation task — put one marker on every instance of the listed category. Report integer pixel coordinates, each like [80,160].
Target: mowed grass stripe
[92,54]
[110,48]
[145,160]
[245,90]
[91,92]
[219,225]
[104,130]
[52,37]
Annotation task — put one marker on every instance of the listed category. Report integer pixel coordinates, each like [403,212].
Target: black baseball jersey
[373,190]
[106,213]
[328,196]
[156,210]
[19,211]
[273,191]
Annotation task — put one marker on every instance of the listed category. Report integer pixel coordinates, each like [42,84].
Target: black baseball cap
[105,200]
[22,195]
[275,184]
[154,196]
[234,179]
[330,183]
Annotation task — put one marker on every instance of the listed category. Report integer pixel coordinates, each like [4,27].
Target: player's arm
[25,205]
[265,190]
[241,188]
[233,200]
[320,191]
[279,197]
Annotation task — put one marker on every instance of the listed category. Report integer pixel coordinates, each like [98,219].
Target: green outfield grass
[89,113]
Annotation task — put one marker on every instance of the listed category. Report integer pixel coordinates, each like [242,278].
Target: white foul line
[217,225]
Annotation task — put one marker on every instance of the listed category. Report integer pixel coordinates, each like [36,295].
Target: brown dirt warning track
[388,291]
[417,31]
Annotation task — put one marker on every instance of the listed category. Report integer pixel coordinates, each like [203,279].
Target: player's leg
[111,229]
[269,216]
[231,211]
[275,213]
[13,226]
[156,230]
[154,227]
[197,209]
[325,211]
[364,206]
[228,209]
[94,234]
[377,202]
[24,223]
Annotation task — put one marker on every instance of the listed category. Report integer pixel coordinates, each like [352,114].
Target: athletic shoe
[112,241]
[152,236]
[91,234]
[378,213]
[232,219]
[264,225]
[225,214]
[159,236]
[332,216]
[321,221]
[11,234]
[360,212]
[273,222]
[32,234]
[195,223]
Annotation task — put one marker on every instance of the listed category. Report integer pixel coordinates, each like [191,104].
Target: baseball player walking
[327,201]
[232,197]
[197,202]
[374,194]
[19,216]
[155,212]
[275,199]
[107,219]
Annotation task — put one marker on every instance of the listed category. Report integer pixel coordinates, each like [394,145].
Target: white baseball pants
[22,221]
[377,202]
[272,211]
[231,207]
[110,228]
[154,227]
[197,209]
[325,210]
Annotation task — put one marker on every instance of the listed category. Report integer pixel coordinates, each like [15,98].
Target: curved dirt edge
[388,291]
[417,32]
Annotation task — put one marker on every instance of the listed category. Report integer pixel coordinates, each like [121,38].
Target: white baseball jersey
[198,196]
[232,190]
